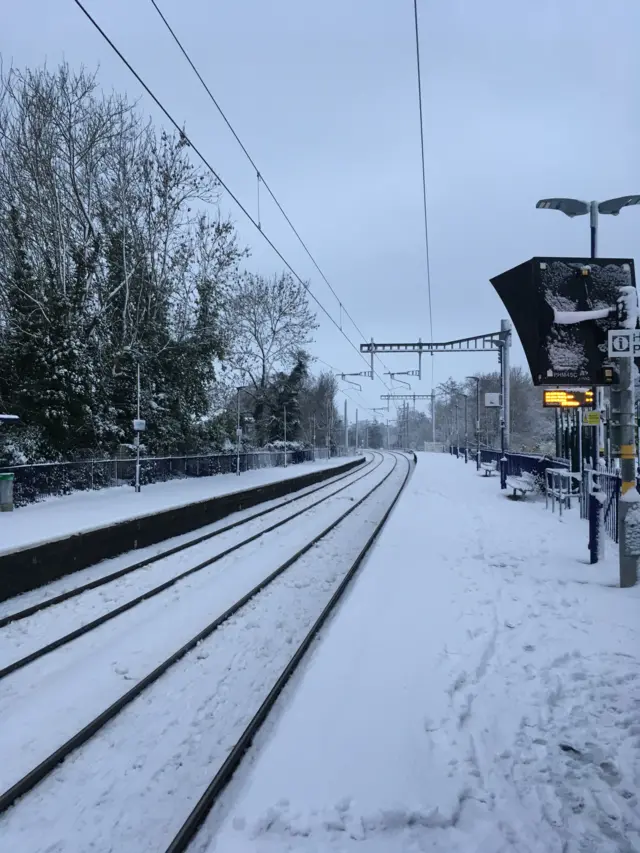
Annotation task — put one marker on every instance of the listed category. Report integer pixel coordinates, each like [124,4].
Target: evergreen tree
[375,435]
[286,392]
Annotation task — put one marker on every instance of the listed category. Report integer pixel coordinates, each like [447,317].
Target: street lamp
[285,435]
[466,427]
[139,425]
[476,379]
[238,430]
[574,207]
[456,407]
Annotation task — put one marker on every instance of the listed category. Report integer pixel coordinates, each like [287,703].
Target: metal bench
[523,483]
[489,468]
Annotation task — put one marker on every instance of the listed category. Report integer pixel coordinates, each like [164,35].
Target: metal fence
[519,463]
[608,481]
[35,482]
[558,488]
[609,484]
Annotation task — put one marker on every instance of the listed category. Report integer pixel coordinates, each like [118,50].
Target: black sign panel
[562,309]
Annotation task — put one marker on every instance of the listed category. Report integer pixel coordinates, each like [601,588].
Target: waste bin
[6,492]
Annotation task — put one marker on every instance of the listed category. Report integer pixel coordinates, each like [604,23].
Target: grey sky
[523,99]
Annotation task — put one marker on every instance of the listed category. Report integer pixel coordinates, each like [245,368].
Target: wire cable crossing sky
[222,183]
[424,182]
[260,176]
[327,106]
[424,168]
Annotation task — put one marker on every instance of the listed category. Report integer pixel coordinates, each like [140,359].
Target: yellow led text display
[563,399]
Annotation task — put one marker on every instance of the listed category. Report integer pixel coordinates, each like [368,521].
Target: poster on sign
[563,309]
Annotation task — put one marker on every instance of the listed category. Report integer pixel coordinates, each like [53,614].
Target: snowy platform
[478,691]
[60,517]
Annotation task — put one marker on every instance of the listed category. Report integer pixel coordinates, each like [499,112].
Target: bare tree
[531,423]
[269,322]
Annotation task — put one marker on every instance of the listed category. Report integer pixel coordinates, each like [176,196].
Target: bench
[489,468]
[523,483]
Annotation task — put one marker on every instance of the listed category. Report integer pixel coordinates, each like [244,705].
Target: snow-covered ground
[58,517]
[478,691]
[132,785]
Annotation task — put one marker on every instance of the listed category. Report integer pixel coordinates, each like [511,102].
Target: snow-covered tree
[269,322]
[112,254]
[531,424]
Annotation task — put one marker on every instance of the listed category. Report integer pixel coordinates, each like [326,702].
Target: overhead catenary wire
[259,175]
[187,140]
[424,177]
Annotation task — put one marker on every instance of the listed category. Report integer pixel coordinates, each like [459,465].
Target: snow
[632,525]
[478,691]
[632,496]
[131,787]
[59,517]
[108,567]
[628,307]
[569,318]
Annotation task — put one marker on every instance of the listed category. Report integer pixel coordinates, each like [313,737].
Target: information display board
[562,398]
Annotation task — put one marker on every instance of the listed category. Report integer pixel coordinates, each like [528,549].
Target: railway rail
[196,818]
[45,603]
[44,768]
[59,642]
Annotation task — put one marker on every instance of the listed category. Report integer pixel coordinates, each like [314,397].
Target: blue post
[503,472]
[596,525]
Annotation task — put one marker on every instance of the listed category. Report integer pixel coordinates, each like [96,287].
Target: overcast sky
[522,99]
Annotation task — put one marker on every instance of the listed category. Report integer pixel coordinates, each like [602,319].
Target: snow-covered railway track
[186,835]
[7,668]
[187,541]
[278,591]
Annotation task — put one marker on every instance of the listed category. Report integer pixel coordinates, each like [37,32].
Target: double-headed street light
[574,207]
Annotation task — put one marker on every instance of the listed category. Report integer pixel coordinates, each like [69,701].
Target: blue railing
[609,482]
[611,485]
[520,463]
